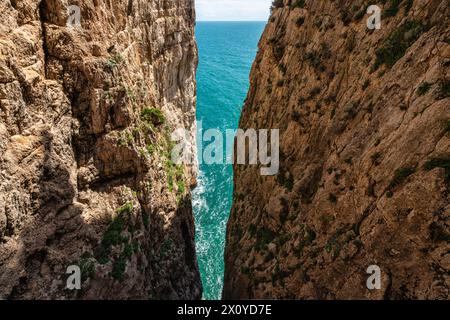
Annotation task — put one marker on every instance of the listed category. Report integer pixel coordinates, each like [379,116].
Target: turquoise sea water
[226,53]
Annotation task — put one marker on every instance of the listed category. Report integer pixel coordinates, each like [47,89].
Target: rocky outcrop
[85,171]
[365,155]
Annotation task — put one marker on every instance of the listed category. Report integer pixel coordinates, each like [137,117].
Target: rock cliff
[364,119]
[85,173]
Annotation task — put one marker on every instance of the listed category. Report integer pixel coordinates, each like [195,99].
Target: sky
[233,10]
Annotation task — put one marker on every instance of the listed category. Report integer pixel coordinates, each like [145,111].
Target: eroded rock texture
[365,155]
[85,179]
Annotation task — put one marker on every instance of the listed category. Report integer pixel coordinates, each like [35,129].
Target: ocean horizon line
[231,21]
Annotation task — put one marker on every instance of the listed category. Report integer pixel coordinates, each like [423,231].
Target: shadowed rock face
[84,173]
[365,149]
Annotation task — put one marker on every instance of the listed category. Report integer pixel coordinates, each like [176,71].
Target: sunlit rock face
[86,110]
[365,155]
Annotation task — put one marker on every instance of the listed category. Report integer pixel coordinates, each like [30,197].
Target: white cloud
[233,10]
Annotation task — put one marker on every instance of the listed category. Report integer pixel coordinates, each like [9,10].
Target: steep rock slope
[85,176]
[364,119]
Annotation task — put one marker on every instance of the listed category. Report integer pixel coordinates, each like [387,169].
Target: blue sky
[233,10]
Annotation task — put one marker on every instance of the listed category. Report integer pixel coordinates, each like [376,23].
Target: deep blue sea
[226,53]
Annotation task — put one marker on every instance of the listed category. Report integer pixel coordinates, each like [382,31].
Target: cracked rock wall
[85,174]
[364,119]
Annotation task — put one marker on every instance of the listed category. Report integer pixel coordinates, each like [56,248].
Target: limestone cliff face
[85,176]
[365,155]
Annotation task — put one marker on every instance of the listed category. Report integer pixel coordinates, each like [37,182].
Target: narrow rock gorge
[86,180]
[364,119]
